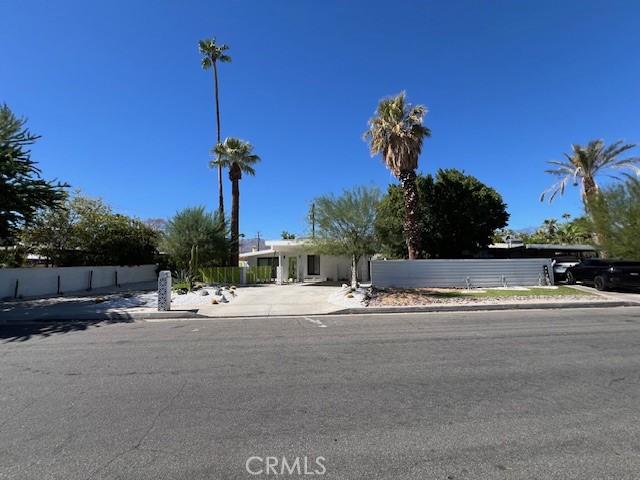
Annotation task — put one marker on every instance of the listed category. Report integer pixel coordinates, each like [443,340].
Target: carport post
[279,270]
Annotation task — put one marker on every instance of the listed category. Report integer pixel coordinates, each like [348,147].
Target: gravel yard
[428,296]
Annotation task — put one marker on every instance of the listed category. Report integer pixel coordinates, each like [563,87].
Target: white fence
[458,273]
[28,282]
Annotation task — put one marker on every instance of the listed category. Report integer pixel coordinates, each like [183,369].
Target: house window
[313,264]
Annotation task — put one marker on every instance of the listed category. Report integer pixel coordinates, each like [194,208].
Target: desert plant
[183,279]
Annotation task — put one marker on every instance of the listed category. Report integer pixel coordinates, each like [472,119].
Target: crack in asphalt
[24,369]
[143,437]
[115,457]
[29,405]
[153,424]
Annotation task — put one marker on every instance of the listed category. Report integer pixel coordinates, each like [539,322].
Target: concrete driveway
[628,295]
[276,300]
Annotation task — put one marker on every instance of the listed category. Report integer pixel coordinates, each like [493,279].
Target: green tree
[397,134]
[569,232]
[461,215]
[194,227]
[214,53]
[22,191]
[615,217]
[85,231]
[345,225]
[238,156]
[585,163]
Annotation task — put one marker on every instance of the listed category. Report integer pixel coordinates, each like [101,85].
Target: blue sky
[126,112]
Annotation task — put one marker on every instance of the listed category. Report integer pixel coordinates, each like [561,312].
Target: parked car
[605,273]
[560,265]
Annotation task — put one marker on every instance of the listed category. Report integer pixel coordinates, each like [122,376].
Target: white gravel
[342,298]
[145,297]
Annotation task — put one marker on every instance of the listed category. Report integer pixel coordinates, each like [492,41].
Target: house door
[293,268]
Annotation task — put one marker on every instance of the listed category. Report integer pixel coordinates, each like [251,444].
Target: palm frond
[236,151]
[396,133]
[586,162]
[556,188]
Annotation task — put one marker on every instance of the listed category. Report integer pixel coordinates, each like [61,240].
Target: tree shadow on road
[23,331]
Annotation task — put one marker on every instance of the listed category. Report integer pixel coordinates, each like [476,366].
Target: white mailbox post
[164,291]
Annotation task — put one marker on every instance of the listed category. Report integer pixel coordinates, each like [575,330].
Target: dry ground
[426,296]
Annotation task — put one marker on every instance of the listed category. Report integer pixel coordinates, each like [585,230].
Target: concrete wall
[453,273]
[44,281]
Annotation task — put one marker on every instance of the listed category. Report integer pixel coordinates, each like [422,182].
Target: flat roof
[257,253]
[549,246]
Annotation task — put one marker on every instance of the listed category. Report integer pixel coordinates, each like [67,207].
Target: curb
[104,317]
[193,314]
[488,307]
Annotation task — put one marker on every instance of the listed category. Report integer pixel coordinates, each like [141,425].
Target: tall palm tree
[585,162]
[397,133]
[214,53]
[237,155]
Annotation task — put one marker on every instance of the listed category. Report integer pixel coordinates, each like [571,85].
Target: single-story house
[300,264]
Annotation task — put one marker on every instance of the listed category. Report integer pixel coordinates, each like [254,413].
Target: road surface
[478,395]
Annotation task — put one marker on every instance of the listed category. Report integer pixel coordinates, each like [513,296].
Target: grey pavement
[488,395]
[264,301]
[276,300]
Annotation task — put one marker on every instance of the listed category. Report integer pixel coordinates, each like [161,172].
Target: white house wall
[331,267]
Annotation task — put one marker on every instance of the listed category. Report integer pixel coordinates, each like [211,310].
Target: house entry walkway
[276,300]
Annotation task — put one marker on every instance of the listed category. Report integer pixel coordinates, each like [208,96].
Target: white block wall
[44,281]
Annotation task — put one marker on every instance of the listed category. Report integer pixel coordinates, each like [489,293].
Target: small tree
[345,225]
[615,216]
[22,191]
[194,229]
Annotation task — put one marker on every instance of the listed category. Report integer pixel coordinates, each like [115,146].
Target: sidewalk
[263,301]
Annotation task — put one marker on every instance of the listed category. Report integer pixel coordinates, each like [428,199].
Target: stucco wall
[44,281]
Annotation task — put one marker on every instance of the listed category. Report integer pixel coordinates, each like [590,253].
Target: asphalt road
[479,395]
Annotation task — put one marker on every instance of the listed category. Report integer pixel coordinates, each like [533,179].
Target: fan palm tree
[237,155]
[397,133]
[585,162]
[214,53]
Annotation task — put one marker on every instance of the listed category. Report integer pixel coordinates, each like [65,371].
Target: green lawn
[492,293]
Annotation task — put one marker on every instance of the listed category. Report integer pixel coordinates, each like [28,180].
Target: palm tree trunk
[412,214]
[235,220]
[220,196]
[590,189]
[354,271]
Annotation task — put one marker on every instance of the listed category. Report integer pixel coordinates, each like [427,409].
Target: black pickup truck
[605,273]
